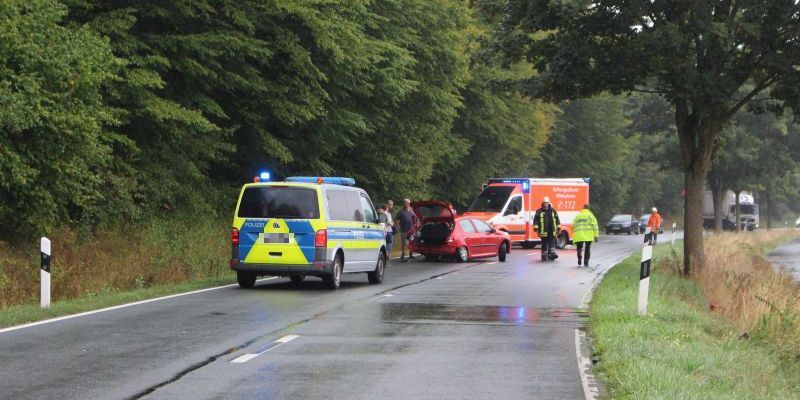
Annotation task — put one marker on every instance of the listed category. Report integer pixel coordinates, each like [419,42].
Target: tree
[589,140]
[698,55]
[56,145]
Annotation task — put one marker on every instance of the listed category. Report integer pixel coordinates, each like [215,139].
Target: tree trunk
[693,254]
[698,125]
[738,209]
[718,194]
[768,195]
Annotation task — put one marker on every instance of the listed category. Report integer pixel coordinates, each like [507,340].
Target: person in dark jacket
[548,225]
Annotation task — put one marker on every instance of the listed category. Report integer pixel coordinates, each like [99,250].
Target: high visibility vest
[584,227]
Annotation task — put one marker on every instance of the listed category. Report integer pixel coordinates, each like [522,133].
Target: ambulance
[509,204]
[306,226]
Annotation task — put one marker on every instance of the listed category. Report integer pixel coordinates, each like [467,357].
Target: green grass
[21,314]
[679,350]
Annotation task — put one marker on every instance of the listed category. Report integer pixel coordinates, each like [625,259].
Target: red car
[443,233]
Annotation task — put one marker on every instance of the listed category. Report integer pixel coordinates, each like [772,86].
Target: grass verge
[25,313]
[679,350]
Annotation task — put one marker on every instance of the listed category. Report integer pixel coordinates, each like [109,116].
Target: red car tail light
[321,238]
[234,236]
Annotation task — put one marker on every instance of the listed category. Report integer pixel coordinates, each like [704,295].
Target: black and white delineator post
[673,232]
[644,273]
[44,273]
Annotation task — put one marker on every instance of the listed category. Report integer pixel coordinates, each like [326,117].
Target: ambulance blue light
[333,180]
[264,176]
[587,180]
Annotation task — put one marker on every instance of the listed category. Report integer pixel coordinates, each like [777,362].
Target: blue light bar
[333,180]
[264,176]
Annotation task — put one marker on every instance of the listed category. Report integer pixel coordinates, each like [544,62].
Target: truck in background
[748,211]
[509,204]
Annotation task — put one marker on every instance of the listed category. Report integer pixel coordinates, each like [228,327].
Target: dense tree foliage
[118,110]
[113,111]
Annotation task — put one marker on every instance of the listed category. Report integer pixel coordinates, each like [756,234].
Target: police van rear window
[279,202]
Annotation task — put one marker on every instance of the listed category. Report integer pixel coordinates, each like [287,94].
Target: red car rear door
[471,237]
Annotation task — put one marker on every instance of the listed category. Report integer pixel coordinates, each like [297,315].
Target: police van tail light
[234,236]
[321,238]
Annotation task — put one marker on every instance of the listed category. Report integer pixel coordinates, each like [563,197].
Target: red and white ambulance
[509,204]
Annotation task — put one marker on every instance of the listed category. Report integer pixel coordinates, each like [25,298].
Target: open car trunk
[437,219]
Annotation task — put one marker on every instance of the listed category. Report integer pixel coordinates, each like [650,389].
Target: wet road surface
[787,259]
[432,330]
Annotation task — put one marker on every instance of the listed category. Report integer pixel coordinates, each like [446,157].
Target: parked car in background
[643,224]
[622,223]
[442,233]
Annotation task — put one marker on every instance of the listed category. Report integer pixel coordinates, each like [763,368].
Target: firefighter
[548,225]
[654,223]
[584,231]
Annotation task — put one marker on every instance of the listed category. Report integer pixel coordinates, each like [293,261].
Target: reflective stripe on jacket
[584,227]
[539,221]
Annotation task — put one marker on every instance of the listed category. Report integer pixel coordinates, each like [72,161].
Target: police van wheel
[334,280]
[376,276]
[501,254]
[462,254]
[297,279]
[246,279]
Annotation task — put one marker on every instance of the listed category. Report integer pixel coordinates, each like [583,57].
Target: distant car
[442,233]
[797,223]
[622,223]
[643,224]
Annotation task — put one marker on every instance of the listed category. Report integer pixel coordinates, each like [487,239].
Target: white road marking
[584,369]
[249,356]
[287,338]
[530,254]
[245,358]
[83,314]
[493,262]
[386,296]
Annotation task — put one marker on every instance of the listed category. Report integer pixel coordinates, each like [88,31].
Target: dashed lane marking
[263,349]
[379,298]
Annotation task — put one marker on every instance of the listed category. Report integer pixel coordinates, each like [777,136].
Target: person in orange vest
[654,223]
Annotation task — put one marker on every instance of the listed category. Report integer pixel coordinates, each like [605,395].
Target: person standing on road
[654,223]
[386,220]
[584,232]
[548,225]
[408,222]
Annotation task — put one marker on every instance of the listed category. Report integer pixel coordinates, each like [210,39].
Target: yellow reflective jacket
[584,227]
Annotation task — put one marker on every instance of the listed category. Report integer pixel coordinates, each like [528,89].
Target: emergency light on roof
[526,183]
[263,176]
[333,180]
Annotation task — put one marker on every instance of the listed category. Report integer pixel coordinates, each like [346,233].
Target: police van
[306,226]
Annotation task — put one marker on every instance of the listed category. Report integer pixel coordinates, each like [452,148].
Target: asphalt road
[787,258]
[432,330]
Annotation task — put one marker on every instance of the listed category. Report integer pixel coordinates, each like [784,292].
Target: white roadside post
[644,273]
[674,225]
[44,273]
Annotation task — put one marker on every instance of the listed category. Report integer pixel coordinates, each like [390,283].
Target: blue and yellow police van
[306,226]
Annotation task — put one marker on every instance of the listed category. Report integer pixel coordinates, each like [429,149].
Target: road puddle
[426,312]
